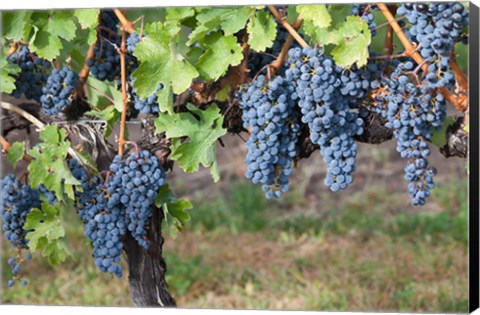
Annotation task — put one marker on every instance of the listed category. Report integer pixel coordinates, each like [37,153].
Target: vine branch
[36,122]
[83,74]
[123,49]
[287,26]
[126,24]
[278,63]
[12,49]
[460,101]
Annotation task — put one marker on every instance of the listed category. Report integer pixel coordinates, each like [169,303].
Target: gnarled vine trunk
[147,268]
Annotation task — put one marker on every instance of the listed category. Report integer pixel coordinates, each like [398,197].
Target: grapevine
[288,89]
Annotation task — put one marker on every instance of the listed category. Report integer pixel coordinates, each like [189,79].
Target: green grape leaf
[161,62]
[322,36]
[222,52]
[355,37]
[174,210]
[46,232]
[179,14]
[101,94]
[439,137]
[7,82]
[208,20]
[50,28]
[16,153]
[16,24]
[49,166]
[316,13]
[203,133]
[262,31]
[236,19]
[88,19]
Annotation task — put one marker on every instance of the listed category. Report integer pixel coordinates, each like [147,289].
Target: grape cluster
[150,104]
[56,92]
[132,41]
[326,94]
[105,224]
[122,203]
[15,264]
[17,201]
[435,26]
[413,111]
[269,113]
[134,185]
[105,64]
[33,74]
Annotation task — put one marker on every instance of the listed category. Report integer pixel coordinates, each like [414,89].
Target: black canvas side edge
[474,232]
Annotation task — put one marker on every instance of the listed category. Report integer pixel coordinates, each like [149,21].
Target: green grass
[241,251]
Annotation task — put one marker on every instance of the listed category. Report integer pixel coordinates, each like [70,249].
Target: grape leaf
[322,36]
[439,137]
[16,153]
[208,20]
[236,19]
[49,28]
[47,232]
[203,134]
[101,94]
[262,31]
[49,166]
[88,19]
[7,82]
[316,13]
[179,14]
[222,52]
[174,210]
[16,24]
[161,62]
[355,37]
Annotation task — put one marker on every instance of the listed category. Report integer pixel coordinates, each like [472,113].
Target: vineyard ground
[362,249]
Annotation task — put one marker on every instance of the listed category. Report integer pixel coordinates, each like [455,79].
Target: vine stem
[277,63]
[123,49]
[12,49]
[83,74]
[5,144]
[388,47]
[287,26]
[462,79]
[36,122]
[126,24]
[460,101]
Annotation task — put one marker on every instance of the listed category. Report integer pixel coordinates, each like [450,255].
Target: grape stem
[287,26]
[5,144]
[135,145]
[460,101]
[461,78]
[388,47]
[83,75]
[123,50]
[278,63]
[126,24]
[12,49]
[36,122]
